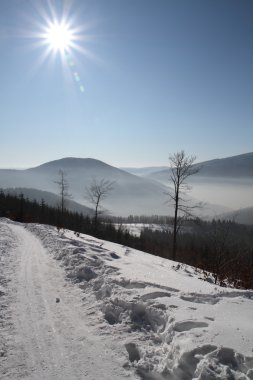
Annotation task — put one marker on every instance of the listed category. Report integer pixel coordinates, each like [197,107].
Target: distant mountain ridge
[243,216]
[233,167]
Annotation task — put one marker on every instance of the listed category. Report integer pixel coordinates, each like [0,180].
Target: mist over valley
[142,194]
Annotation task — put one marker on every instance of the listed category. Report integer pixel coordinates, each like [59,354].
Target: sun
[59,36]
[61,40]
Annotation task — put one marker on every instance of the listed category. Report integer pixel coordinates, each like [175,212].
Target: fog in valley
[133,194]
[230,192]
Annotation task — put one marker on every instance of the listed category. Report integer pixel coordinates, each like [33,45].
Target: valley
[220,191]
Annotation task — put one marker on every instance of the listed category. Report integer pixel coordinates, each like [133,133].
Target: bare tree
[96,193]
[181,169]
[63,189]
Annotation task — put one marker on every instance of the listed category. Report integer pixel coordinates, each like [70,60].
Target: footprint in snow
[188,325]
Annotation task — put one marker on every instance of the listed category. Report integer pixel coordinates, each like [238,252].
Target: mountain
[131,194]
[240,166]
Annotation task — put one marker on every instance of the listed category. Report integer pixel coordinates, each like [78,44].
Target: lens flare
[75,73]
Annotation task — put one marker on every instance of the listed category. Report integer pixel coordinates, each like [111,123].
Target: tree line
[21,209]
[223,248]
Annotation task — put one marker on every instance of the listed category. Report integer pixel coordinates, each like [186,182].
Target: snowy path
[50,340]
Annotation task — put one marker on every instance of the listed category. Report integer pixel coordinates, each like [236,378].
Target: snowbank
[170,324]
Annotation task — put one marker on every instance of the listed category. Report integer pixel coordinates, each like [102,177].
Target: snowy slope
[150,318]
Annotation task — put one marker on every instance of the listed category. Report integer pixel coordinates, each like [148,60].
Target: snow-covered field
[75,307]
[136,228]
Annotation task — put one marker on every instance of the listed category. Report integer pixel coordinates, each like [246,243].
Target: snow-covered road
[49,339]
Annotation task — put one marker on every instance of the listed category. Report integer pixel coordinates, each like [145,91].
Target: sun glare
[59,37]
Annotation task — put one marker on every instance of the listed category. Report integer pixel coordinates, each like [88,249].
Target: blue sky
[158,75]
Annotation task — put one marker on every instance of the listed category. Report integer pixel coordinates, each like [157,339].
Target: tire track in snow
[51,340]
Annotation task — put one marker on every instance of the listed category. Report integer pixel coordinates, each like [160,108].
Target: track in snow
[49,340]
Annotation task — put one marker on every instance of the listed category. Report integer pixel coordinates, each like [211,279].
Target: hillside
[236,167]
[243,216]
[50,199]
[114,313]
[240,166]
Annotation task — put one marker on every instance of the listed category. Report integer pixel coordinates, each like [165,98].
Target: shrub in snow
[133,352]
[112,313]
[147,317]
[83,273]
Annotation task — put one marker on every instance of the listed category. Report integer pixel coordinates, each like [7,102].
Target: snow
[79,307]
[136,228]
